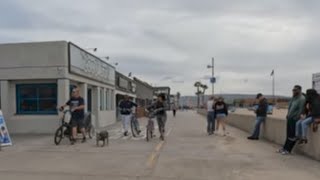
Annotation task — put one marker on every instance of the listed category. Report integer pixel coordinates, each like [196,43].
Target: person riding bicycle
[126,113]
[76,104]
[159,108]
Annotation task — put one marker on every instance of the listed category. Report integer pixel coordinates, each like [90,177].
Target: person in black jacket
[221,112]
[159,108]
[261,116]
[312,113]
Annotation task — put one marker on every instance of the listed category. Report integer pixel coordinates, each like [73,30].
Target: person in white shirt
[210,116]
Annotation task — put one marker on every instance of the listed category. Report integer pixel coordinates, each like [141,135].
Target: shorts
[221,115]
[77,122]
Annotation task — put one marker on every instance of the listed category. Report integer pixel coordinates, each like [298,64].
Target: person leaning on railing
[312,114]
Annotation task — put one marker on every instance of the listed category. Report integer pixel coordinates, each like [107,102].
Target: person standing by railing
[295,110]
[261,116]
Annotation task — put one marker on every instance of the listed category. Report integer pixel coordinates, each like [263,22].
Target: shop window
[107,99]
[112,100]
[36,98]
[101,100]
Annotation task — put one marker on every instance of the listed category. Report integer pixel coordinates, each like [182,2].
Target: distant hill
[229,98]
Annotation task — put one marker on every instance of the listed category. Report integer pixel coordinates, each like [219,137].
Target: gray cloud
[171,42]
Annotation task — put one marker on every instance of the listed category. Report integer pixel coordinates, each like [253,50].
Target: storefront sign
[85,64]
[5,139]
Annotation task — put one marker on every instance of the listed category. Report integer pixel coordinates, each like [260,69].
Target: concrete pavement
[188,153]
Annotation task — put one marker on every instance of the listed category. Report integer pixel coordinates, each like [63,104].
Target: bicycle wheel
[134,127]
[58,135]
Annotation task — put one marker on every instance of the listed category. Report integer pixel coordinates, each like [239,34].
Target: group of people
[217,112]
[159,107]
[127,108]
[303,110]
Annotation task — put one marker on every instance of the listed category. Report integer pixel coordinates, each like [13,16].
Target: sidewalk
[187,154]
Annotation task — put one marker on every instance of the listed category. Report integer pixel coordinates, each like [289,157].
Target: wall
[45,60]
[274,130]
[144,91]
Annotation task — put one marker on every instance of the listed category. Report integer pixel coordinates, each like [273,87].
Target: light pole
[108,58]
[212,78]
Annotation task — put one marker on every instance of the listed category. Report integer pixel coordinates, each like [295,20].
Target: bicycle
[135,127]
[65,129]
[150,126]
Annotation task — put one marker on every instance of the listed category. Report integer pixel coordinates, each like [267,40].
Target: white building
[36,78]
[316,82]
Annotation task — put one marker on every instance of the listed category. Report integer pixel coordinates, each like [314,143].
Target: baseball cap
[259,95]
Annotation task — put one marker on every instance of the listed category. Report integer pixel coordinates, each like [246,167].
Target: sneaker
[284,152]
[252,138]
[280,150]
[162,138]
[72,141]
[125,133]
[84,140]
[139,131]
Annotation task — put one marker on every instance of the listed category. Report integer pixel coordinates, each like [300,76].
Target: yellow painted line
[156,152]
[151,160]
[159,146]
[169,132]
[154,155]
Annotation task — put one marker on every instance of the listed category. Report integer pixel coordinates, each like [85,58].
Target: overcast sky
[170,42]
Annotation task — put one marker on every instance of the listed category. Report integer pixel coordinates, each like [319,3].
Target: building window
[112,99]
[101,100]
[107,99]
[36,98]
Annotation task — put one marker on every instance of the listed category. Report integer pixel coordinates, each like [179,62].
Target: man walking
[210,116]
[126,113]
[261,116]
[296,108]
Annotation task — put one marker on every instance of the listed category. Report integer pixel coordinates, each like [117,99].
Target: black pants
[174,112]
[291,137]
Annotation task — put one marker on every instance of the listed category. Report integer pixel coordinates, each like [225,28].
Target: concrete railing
[274,130]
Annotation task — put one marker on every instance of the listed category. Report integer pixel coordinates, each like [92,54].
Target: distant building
[164,90]
[144,92]
[316,82]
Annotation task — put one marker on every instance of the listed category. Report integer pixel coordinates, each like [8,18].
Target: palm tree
[204,88]
[198,92]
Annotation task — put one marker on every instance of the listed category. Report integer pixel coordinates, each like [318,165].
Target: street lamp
[93,49]
[108,58]
[212,79]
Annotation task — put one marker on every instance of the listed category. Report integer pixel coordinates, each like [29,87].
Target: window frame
[19,111]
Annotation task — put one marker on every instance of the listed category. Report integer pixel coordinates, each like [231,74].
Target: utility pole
[212,75]
[212,79]
[273,88]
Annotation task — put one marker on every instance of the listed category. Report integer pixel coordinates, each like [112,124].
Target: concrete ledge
[274,130]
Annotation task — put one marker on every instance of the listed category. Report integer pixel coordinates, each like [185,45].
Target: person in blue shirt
[125,107]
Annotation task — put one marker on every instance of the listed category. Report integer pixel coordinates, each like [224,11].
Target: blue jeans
[211,122]
[259,121]
[302,127]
